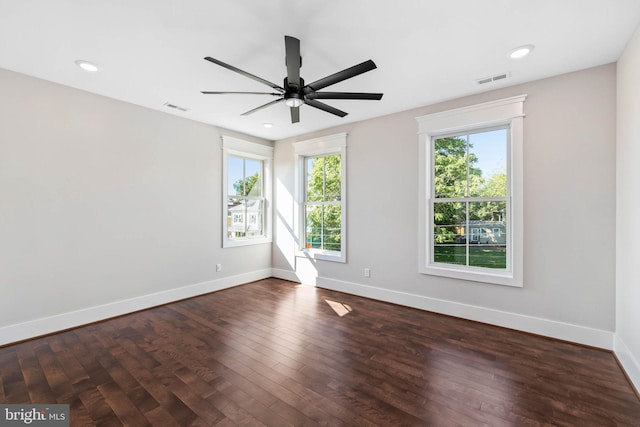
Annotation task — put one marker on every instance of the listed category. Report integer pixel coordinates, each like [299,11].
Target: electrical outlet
[367,272]
[218,267]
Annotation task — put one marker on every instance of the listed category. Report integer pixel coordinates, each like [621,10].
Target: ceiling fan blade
[206,92]
[324,107]
[244,73]
[293,61]
[344,95]
[268,104]
[340,76]
[295,114]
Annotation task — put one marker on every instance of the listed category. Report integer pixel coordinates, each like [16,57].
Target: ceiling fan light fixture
[521,51]
[87,66]
[293,102]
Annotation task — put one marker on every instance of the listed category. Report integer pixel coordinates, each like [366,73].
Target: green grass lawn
[479,255]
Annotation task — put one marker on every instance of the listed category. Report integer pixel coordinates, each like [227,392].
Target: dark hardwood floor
[275,353]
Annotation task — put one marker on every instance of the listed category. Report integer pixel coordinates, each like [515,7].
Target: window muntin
[322,205]
[469,199]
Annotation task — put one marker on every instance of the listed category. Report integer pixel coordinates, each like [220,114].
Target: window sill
[474,274]
[246,242]
[332,256]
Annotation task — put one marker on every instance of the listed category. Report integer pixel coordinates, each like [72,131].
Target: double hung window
[322,197]
[470,204]
[246,192]
[471,192]
[322,202]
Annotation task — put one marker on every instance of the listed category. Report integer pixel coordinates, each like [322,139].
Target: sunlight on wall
[284,231]
[306,271]
[286,244]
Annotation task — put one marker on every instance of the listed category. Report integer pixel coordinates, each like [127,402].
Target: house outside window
[321,217]
[246,192]
[471,192]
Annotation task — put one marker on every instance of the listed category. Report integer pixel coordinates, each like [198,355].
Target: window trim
[236,147]
[503,112]
[323,146]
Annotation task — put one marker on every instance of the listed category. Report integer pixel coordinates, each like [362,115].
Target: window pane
[255,223]
[236,214]
[322,227]
[235,176]
[449,238]
[253,177]
[314,179]
[313,227]
[331,233]
[488,164]
[488,234]
[450,160]
[323,178]
[332,172]
[245,218]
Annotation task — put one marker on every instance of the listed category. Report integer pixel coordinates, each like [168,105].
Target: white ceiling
[151,51]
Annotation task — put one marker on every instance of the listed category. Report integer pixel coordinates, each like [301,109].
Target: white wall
[569,180]
[628,210]
[103,202]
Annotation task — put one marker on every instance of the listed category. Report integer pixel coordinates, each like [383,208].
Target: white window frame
[503,112]
[328,145]
[249,150]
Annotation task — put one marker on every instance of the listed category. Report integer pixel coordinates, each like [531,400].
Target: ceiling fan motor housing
[294,95]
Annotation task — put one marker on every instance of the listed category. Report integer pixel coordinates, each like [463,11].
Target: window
[322,204]
[469,188]
[246,192]
[321,197]
[471,192]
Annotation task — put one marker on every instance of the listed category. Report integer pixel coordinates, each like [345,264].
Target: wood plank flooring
[279,354]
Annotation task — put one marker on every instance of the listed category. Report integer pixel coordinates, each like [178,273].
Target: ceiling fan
[294,92]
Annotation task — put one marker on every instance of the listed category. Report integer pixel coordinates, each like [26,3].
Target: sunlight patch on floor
[340,308]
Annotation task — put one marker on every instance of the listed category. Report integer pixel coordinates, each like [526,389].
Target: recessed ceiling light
[521,52]
[268,125]
[87,66]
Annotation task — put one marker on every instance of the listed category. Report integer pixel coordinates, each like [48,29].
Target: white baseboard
[535,325]
[37,327]
[629,363]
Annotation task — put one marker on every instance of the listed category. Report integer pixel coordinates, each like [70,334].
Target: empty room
[305,212]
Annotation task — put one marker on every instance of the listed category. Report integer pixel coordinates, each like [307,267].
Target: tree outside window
[323,206]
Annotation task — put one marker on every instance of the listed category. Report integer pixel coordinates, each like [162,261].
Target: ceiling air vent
[174,106]
[495,78]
